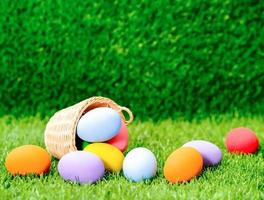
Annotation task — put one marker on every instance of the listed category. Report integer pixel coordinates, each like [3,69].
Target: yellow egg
[110,155]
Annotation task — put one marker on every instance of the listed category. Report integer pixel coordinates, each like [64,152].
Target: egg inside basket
[60,133]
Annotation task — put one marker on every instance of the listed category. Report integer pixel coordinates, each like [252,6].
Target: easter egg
[211,153]
[110,155]
[81,167]
[242,140]
[99,125]
[183,164]
[28,159]
[84,144]
[139,164]
[120,141]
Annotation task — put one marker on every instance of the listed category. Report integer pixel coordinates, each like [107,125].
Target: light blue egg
[99,125]
[139,164]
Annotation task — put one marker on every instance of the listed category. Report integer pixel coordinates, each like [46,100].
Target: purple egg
[211,153]
[81,167]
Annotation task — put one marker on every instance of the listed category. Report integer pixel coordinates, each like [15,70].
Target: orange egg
[28,159]
[183,164]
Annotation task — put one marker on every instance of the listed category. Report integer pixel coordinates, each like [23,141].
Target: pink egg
[120,141]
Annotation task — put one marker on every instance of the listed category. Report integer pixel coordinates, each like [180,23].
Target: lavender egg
[81,167]
[211,153]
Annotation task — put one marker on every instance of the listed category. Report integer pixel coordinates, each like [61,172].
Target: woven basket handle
[130,114]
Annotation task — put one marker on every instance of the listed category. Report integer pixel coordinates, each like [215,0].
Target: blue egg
[99,125]
[140,164]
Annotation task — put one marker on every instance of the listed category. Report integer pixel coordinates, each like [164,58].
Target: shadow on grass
[8,178]
[260,151]
[115,176]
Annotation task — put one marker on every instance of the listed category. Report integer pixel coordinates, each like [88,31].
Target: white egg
[139,164]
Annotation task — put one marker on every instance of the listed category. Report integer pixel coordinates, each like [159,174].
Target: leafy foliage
[160,58]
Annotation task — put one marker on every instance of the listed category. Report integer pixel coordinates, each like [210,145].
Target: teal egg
[84,144]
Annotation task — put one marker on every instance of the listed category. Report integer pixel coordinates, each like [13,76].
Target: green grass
[237,177]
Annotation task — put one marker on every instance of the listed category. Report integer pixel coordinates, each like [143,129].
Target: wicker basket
[60,131]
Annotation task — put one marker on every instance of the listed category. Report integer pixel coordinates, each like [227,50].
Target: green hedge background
[160,58]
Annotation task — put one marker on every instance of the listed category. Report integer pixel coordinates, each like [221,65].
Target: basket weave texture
[60,132]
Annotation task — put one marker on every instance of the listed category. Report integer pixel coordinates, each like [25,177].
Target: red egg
[120,141]
[241,140]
